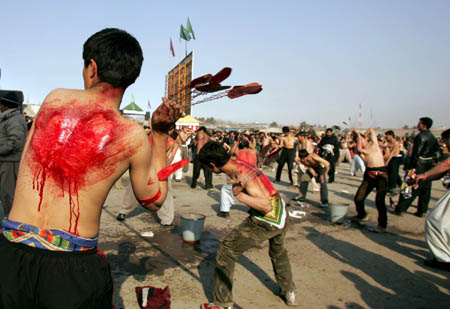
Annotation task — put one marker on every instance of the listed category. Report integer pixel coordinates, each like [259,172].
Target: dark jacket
[331,140]
[424,149]
[13,133]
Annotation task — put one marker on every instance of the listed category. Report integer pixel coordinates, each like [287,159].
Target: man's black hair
[302,133]
[328,130]
[202,128]
[213,152]
[445,134]
[118,56]
[285,129]
[303,153]
[244,144]
[390,132]
[426,121]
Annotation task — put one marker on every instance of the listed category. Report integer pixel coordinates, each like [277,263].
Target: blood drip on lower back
[67,146]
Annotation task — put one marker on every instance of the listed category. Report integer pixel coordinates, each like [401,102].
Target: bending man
[268,220]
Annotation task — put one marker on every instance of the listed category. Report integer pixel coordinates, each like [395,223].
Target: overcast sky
[317,60]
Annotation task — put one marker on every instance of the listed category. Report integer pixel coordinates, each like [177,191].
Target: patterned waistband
[54,240]
[277,215]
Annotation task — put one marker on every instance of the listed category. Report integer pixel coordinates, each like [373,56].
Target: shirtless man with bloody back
[77,148]
[375,176]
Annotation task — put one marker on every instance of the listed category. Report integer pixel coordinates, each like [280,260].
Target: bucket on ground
[337,212]
[192,226]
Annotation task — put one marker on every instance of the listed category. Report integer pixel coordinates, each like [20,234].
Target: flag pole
[185,50]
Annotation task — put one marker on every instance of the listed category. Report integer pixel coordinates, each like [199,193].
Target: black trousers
[196,173]
[423,192]
[393,168]
[380,182]
[287,156]
[37,278]
[332,160]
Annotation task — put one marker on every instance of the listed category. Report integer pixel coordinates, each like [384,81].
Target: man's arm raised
[149,189]
[359,142]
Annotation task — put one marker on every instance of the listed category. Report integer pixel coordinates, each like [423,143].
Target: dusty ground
[334,266]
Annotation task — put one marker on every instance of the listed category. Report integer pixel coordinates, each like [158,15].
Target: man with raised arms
[268,220]
[375,176]
[78,146]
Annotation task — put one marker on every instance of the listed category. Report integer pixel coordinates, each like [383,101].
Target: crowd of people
[54,182]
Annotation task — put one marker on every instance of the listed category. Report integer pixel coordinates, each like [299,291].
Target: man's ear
[92,69]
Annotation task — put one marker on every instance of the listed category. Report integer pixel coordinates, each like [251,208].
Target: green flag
[184,34]
[189,28]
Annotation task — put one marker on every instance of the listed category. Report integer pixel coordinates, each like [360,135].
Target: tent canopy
[187,121]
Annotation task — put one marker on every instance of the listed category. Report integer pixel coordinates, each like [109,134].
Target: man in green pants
[268,220]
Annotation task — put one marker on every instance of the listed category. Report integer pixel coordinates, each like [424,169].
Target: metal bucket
[192,227]
[337,212]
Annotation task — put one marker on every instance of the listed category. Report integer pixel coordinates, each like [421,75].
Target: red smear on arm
[164,173]
[148,201]
[150,182]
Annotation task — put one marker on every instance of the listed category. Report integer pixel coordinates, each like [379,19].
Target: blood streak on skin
[71,142]
[248,172]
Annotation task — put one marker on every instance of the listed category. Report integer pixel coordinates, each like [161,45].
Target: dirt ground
[334,266]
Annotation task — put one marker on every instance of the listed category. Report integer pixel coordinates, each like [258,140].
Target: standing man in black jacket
[329,150]
[13,133]
[424,149]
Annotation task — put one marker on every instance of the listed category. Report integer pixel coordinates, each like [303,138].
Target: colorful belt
[54,240]
[277,215]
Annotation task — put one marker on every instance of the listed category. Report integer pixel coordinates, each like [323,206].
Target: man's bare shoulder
[67,100]
[61,95]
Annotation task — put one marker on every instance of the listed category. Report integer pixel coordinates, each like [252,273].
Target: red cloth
[157,298]
[247,156]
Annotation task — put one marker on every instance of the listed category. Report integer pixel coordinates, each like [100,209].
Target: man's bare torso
[288,141]
[254,182]
[78,147]
[371,152]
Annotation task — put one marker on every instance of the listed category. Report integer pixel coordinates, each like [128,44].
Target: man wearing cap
[13,133]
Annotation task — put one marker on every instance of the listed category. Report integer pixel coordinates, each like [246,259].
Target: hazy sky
[317,60]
